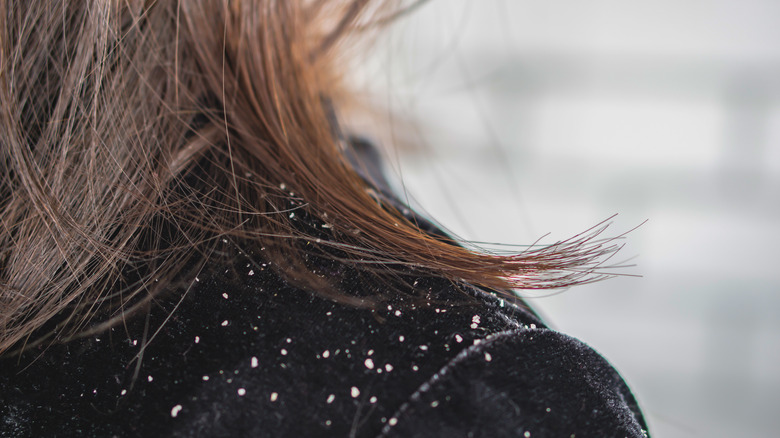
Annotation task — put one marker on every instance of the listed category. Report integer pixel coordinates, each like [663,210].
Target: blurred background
[535,117]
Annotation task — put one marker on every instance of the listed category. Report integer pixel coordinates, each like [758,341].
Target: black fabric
[242,353]
[257,357]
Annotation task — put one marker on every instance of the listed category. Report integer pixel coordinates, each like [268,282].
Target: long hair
[135,134]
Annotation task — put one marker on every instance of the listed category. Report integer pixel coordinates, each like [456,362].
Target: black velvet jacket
[242,353]
[261,358]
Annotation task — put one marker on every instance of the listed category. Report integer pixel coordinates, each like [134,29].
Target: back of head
[134,135]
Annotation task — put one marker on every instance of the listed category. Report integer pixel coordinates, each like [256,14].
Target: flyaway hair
[136,134]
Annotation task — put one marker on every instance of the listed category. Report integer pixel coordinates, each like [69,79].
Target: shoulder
[526,382]
[242,358]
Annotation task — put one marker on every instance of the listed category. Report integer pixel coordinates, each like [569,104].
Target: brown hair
[134,134]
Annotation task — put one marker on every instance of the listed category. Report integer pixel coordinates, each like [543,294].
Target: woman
[191,246]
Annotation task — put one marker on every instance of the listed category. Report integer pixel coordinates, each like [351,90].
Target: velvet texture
[245,354]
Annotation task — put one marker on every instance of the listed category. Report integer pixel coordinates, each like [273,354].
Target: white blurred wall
[550,116]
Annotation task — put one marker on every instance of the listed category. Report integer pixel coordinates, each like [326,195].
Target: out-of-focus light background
[550,116]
